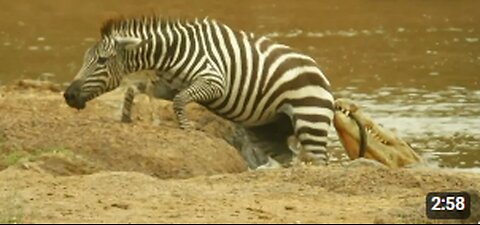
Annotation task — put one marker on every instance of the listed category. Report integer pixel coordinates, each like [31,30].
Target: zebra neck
[158,51]
[144,57]
[166,45]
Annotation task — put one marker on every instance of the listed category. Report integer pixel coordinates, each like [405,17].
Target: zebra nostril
[73,95]
[73,90]
[67,96]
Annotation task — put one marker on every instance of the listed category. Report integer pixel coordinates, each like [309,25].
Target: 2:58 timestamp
[448,205]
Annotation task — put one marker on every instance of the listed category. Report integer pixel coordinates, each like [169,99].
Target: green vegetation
[14,157]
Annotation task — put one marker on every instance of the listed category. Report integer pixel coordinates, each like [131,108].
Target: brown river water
[413,65]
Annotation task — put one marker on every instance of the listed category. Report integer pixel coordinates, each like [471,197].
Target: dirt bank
[60,165]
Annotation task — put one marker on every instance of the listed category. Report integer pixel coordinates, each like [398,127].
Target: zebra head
[102,70]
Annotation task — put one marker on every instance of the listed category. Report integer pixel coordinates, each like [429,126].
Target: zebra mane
[110,24]
[120,23]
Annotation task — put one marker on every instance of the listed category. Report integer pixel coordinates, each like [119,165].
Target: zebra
[247,79]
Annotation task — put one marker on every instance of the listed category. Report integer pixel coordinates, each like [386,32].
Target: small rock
[120,205]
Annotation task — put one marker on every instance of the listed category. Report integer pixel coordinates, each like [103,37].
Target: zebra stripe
[244,78]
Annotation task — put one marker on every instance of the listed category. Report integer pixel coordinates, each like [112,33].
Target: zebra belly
[270,116]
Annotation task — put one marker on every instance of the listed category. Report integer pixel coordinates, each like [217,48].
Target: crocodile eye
[102,60]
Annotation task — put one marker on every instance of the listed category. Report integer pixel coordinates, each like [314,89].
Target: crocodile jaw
[382,145]
[348,133]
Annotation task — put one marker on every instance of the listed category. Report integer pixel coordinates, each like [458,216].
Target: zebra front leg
[201,90]
[128,103]
[130,94]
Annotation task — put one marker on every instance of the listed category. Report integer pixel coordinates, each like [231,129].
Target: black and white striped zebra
[250,80]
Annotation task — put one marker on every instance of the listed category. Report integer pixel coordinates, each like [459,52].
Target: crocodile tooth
[347,113]
[377,135]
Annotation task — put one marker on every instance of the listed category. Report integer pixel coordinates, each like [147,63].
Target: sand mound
[61,166]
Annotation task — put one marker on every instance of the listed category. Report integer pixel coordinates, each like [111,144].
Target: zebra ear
[127,43]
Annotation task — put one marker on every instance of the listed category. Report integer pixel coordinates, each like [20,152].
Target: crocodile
[362,137]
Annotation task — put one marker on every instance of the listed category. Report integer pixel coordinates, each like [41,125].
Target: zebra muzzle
[73,96]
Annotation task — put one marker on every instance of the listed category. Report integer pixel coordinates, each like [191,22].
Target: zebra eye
[102,60]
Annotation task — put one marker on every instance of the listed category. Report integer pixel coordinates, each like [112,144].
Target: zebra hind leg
[305,155]
[310,141]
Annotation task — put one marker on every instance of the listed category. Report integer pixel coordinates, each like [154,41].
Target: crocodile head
[362,137]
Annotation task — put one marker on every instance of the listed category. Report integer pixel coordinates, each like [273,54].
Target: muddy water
[414,65]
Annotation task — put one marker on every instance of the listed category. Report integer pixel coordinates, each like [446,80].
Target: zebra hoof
[187,126]
[309,159]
